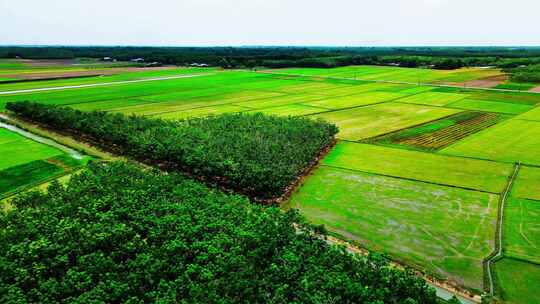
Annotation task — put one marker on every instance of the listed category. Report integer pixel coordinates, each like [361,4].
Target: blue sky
[277,22]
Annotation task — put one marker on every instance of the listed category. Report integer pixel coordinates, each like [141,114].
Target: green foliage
[256,154]
[118,234]
[527,74]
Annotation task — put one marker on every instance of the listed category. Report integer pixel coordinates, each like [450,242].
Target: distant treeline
[530,74]
[276,57]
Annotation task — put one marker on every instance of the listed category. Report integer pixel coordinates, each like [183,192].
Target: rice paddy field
[26,162]
[418,172]
[399,74]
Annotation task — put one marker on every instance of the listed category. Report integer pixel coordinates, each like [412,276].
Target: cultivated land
[518,281]
[25,162]
[399,74]
[404,218]
[418,170]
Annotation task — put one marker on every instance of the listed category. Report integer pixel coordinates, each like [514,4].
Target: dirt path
[535,89]
[100,84]
[498,250]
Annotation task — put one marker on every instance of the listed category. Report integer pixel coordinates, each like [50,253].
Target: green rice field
[397,74]
[518,281]
[417,172]
[26,162]
[511,141]
[389,214]
[17,150]
[522,230]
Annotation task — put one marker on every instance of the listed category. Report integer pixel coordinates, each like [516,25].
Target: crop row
[256,154]
[444,137]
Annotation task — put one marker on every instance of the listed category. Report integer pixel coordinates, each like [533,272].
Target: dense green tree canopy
[258,155]
[117,234]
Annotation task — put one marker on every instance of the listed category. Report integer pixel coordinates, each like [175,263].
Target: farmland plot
[438,134]
[290,110]
[490,106]
[26,162]
[373,120]
[517,281]
[354,100]
[18,150]
[433,98]
[397,74]
[533,114]
[527,184]
[450,171]
[522,229]
[404,218]
[510,141]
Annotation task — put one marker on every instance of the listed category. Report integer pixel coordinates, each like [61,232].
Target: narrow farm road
[100,84]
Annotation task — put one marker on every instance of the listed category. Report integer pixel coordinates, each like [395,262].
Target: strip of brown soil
[47,62]
[535,89]
[488,82]
[89,72]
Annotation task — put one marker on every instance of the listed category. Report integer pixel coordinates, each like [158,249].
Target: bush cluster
[256,154]
[119,234]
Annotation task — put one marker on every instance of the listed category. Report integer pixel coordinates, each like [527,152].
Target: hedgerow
[119,234]
[255,154]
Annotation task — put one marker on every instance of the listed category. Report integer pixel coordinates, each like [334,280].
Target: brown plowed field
[90,72]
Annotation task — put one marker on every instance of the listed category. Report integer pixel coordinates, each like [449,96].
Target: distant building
[154,64]
[201,65]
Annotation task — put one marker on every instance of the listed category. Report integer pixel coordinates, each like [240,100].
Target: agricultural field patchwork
[533,114]
[290,110]
[417,171]
[510,141]
[427,167]
[350,101]
[527,183]
[490,106]
[372,120]
[403,218]
[397,74]
[517,281]
[27,162]
[522,229]
[433,98]
[438,134]
[17,150]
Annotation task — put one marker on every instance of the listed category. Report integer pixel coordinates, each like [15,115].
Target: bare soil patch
[90,72]
[488,82]
[47,62]
[535,89]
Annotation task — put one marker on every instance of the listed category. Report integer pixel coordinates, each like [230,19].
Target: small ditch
[5,124]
